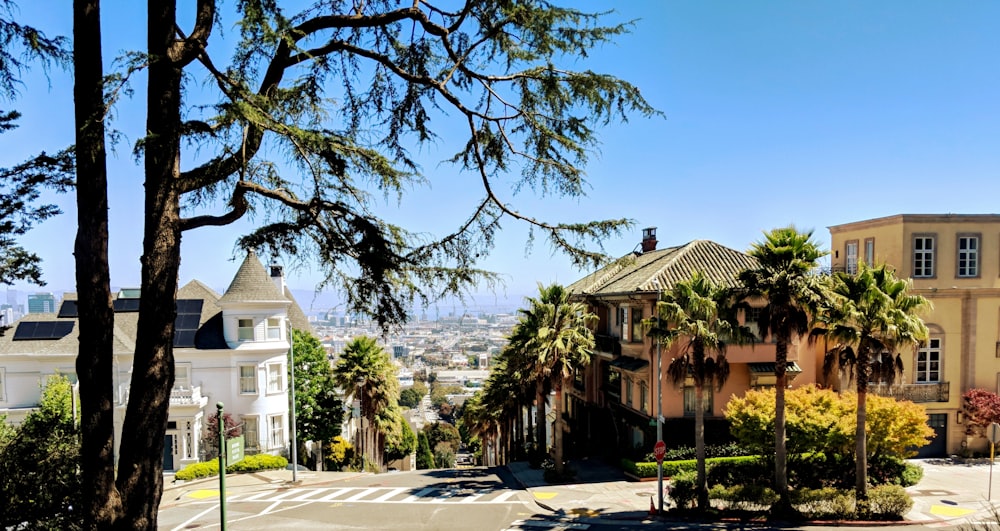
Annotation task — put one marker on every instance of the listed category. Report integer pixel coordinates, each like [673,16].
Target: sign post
[222,466]
[993,434]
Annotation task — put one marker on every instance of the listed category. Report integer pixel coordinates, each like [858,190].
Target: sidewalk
[950,493]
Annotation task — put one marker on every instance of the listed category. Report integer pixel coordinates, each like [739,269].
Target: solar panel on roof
[187,321]
[69,309]
[126,305]
[31,330]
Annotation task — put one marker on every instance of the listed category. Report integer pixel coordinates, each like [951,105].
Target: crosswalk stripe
[504,496]
[360,495]
[419,494]
[310,493]
[391,493]
[336,493]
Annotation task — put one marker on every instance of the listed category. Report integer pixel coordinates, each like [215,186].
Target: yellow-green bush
[250,463]
[889,502]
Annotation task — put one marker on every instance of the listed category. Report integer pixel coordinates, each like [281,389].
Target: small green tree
[439,432]
[318,408]
[425,459]
[409,398]
[444,455]
[39,479]
[402,443]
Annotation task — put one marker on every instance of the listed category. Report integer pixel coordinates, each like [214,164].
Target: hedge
[672,468]
[250,463]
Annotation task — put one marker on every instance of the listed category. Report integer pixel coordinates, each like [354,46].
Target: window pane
[636,324]
[250,432]
[274,328]
[248,379]
[245,330]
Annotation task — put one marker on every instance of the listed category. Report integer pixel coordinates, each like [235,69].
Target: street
[458,499]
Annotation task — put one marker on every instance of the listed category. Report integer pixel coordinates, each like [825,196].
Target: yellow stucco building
[954,261]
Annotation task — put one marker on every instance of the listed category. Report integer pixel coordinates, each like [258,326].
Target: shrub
[744,497]
[682,489]
[338,454]
[198,470]
[740,471]
[889,502]
[912,474]
[253,463]
[823,503]
[250,463]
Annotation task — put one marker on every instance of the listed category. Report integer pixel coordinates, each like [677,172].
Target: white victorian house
[231,348]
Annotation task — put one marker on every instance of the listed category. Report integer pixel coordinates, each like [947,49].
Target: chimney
[278,277]
[648,239]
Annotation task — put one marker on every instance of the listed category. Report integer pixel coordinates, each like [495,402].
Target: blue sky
[812,113]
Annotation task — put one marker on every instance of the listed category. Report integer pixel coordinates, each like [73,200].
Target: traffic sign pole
[993,434]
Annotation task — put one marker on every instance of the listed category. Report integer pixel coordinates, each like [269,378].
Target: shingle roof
[667,266]
[252,284]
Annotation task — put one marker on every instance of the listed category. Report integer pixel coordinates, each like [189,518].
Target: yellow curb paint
[545,495]
[203,493]
[947,510]
[584,512]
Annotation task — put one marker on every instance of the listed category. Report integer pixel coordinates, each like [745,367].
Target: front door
[168,452]
[938,445]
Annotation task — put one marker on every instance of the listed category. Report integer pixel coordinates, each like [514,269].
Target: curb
[528,490]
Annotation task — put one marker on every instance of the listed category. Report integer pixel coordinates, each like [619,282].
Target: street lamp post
[295,449]
[659,401]
[361,419]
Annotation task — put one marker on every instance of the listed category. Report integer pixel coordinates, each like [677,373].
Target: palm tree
[365,371]
[870,317]
[704,315]
[555,336]
[784,278]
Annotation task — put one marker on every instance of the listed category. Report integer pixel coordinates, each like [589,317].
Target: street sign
[234,450]
[993,432]
[659,450]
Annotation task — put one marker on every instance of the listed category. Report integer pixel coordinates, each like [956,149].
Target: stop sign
[659,450]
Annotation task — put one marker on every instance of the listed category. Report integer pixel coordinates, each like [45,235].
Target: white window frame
[242,330]
[276,431]
[275,385]
[968,258]
[247,379]
[851,257]
[928,365]
[251,431]
[751,320]
[870,251]
[924,257]
[182,376]
[273,325]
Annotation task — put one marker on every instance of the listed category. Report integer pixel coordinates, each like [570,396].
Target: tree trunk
[701,481]
[95,362]
[860,435]
[780,451]
[541,446]
[557,430]
[140,466]
[531,426]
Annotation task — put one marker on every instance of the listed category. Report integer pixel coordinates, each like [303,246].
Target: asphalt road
[454,499]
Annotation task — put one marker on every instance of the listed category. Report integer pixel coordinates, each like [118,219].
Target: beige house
[613,404]
[954,261]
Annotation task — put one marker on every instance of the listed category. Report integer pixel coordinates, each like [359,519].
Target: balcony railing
[187,396]
[607,343]
[924,392]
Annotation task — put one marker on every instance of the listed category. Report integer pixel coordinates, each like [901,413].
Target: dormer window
[244,328]
[274,328]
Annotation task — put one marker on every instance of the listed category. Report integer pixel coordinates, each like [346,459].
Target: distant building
[41,303]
